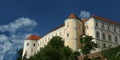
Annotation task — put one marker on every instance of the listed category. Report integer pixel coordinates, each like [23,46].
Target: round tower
[73,32]
[30,45]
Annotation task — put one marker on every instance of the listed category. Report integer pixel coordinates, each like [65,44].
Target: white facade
[105,33]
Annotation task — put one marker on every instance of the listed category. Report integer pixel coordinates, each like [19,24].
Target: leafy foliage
[87,44]
[112,53]
[55,50]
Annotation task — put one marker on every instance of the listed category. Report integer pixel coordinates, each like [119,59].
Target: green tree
[20,54]
[55,50]
[112,53]
[87,45]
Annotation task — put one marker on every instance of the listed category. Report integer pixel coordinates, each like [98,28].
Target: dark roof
[106,20]
[33,37]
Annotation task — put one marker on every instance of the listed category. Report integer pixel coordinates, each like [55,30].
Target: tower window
[34,44]
[67,25]
[67,34]
[38,44]
[27,44]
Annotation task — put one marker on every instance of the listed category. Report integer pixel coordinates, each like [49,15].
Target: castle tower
[30,46]
[73,32]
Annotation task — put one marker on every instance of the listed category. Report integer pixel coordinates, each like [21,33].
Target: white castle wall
[73,30]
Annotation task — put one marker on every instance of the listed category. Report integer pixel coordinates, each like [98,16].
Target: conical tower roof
[72,15]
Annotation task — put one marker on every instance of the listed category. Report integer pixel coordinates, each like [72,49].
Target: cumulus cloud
[9,45]
[84,14]
[19,23]
[3,38]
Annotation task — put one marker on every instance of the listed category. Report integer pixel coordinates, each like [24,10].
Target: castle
[106,34]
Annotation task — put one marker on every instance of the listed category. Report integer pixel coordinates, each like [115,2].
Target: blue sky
[20,18]
[54,12]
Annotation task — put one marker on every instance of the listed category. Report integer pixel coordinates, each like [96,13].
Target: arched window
[104,36]
[109,37]
[116,39]
[97,34]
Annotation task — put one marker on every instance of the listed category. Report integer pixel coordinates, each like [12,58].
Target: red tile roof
[72,15]
[106,20]
[33,37]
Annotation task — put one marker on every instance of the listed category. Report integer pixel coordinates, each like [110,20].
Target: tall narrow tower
[73,32]
[30,46]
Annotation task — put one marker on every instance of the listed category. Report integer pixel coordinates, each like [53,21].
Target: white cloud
[84,14]
[9,45]
[19,23]
[3,38]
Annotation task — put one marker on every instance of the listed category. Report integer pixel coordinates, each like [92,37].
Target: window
[104,45]
[60,33]
[96,24]
[27,44]
[108,27]
[104,36]
[109,37]
[116,39]
[38,44]
[34,44]
[110,46]
[114,29]
[67,34]
[98,35]
[67,24]
[103,25]
[31,50]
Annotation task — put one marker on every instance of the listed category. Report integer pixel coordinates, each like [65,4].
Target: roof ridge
[106,20]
